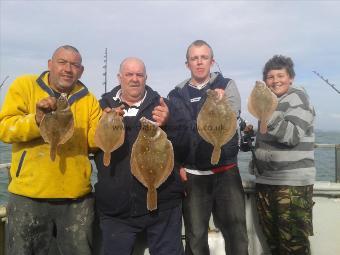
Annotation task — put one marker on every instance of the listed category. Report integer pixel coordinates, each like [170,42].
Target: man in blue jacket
[120,197]
[215,189]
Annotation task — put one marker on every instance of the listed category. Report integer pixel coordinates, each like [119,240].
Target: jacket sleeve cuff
[33,126]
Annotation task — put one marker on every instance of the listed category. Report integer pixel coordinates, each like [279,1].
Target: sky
[243,35]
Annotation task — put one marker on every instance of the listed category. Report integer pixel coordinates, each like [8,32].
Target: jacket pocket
[20,163]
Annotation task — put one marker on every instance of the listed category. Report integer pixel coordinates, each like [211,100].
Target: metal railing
[337,157]
[247,185]
[3,219]
[317,145]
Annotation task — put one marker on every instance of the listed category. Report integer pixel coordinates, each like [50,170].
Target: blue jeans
[222,195]
[163,231]
[33,223]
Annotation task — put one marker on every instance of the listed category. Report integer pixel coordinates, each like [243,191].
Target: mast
[326,80]
[105,70]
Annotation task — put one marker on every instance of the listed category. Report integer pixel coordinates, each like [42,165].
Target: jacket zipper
[20,163]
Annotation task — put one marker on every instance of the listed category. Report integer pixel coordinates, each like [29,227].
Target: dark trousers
[222,195]
[163,230]
[32,223]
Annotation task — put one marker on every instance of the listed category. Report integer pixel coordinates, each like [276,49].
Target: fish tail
[53,151]
[263,127]
[215,157]
[152,199]
[107,158]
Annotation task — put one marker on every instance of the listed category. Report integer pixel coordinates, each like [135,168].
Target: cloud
[335,116]
[243,34]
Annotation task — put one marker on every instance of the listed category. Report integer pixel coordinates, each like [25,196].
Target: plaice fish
[216,123]
[57,127]
[110,134]
[262,102]
[152,159]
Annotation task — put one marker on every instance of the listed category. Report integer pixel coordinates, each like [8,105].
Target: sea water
[324,159]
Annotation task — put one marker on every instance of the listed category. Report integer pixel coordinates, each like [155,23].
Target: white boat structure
[326,220]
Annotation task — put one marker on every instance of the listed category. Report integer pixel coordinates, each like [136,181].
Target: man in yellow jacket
[50,197]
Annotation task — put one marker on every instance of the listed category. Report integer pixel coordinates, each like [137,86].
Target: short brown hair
[278,62]
[199,43]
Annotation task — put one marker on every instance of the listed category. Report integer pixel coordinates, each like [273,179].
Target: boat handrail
[5,165]
[3,211]
[325,145]
[317,145]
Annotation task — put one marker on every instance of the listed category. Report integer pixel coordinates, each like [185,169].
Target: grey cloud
[244,35]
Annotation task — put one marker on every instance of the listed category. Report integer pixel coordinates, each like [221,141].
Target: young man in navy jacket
[215,189]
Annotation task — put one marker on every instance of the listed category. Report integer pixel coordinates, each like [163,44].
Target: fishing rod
[326,80]
[3,82]
[218,66]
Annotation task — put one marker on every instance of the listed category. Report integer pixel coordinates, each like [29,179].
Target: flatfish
[57,127]
[216,123]
[262,102]
[152,159]
[110,134]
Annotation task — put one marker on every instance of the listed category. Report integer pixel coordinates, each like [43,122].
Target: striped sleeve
[292,119]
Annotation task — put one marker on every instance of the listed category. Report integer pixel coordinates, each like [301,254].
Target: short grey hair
[121,66]
[68,47]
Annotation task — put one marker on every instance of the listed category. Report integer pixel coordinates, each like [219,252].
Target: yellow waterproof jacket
[32,171]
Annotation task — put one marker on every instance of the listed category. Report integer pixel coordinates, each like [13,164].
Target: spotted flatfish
[57,127]
[110,134]
[216,123]
[262,102]
[152,159]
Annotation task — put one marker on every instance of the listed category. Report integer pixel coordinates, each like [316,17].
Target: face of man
[278,81]
[65,69]
[199,63]
[132,78]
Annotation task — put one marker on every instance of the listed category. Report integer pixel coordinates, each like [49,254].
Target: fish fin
[263,127]
[152,199]
[215,156]
[107,158]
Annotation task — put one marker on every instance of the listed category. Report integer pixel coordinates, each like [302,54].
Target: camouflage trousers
[285,214]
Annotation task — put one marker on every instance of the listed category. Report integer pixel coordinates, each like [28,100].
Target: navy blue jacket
[200,151]
[118,193]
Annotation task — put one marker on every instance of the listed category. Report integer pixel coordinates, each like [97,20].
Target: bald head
[65,69]
[132,61]
[132,78]
[68,48]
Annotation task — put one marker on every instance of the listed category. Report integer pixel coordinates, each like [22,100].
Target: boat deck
[326,221]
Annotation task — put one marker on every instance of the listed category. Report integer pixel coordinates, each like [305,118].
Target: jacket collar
[150,96]
[78,92]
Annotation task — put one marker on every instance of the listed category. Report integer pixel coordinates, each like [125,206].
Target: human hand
[119,110]
[44,106]
[220,93]
[160,113]
[248,128]
[183,174]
